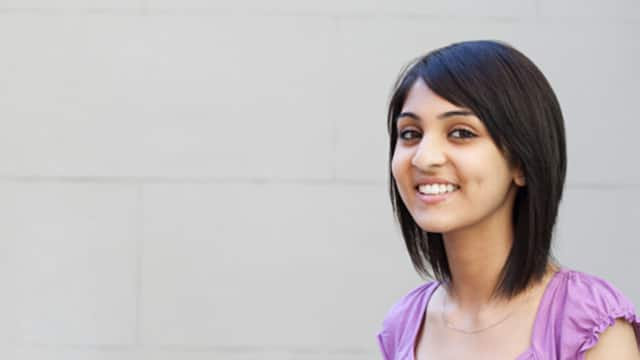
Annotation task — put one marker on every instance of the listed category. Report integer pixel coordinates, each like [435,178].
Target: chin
[434,227]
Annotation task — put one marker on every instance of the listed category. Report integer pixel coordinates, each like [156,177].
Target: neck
[476,259]
[476,256]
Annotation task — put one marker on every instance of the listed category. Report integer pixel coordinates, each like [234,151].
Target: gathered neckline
[544,303]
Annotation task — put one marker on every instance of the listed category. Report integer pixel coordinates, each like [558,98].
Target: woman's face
[442,143]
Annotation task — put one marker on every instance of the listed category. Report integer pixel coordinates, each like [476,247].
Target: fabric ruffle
[605,322]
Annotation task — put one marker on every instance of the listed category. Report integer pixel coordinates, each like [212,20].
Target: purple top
[575,309]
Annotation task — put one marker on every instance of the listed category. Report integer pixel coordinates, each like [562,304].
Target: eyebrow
[442,116]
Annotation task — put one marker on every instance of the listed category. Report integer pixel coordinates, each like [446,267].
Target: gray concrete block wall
[198,180]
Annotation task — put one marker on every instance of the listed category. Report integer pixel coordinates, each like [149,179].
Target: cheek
[489,175]
[398,167]
[394,165]
[401,172]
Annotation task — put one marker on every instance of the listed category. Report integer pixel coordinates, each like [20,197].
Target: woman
[477,168]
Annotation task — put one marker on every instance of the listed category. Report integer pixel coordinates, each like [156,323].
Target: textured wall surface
[191,179]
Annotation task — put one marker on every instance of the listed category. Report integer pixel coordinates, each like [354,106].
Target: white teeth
[436,189]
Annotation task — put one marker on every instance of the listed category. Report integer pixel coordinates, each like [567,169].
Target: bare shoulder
[617,342]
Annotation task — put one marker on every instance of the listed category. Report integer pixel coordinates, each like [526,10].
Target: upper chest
[507,340]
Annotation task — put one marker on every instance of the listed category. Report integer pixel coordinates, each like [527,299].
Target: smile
[432,194]
[437,189]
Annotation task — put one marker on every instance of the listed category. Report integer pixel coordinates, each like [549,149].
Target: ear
[518,178]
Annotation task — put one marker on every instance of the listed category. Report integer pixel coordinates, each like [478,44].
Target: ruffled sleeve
[592,305]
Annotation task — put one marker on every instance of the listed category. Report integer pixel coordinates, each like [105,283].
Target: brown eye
[407,134]
[462,134]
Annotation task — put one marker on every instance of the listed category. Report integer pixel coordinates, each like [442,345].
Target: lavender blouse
[575,309]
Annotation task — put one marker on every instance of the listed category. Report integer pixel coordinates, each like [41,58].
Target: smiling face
[438,141]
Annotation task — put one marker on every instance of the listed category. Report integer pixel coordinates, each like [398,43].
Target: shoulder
[401,311]
[587,305]
[401,318]
[616,342]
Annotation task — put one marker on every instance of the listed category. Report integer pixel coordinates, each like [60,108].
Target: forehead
[422,100]
[422,104]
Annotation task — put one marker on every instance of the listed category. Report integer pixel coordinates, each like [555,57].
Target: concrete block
[142,353]
[72,4]
[457,8]
[166,96]
[596,232]
[601,11]
[251,265]
[69,263]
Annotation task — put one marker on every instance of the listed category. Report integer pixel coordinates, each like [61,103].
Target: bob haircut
[516,103]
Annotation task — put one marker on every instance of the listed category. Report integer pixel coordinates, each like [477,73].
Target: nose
[429,153]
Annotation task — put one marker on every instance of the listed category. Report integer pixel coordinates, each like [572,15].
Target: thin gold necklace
[475,331]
